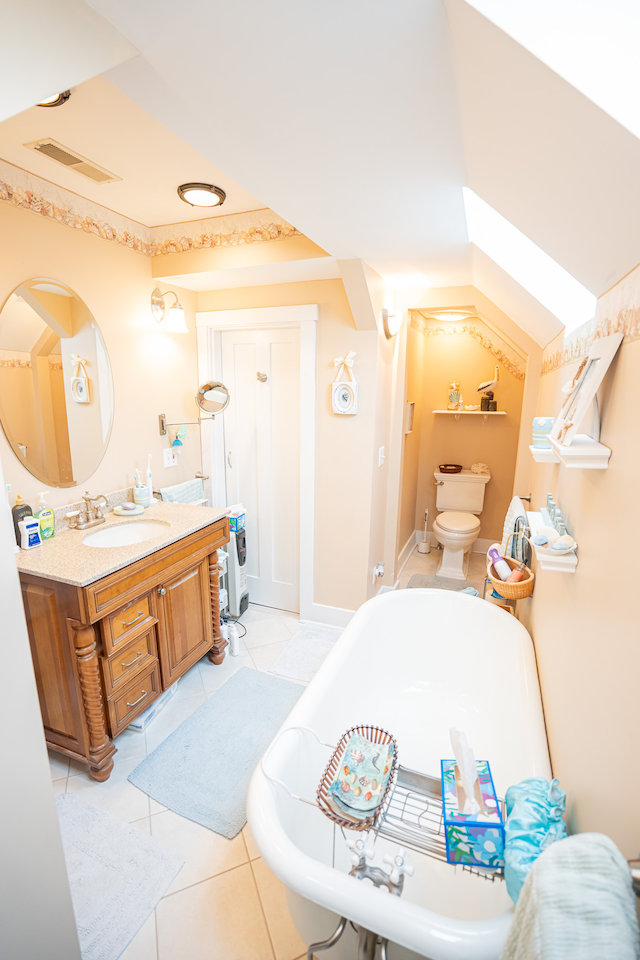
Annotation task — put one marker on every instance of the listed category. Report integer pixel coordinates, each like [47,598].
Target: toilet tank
[462,491]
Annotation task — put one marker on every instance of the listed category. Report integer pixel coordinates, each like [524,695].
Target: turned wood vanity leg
[216,654]
[101,748]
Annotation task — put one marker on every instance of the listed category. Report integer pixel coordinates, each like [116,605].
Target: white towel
[191,491]
[576,904]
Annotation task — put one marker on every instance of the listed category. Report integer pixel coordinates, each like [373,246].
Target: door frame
[210,326]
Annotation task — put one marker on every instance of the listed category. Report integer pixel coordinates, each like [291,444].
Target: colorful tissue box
[473,839]
[237,523]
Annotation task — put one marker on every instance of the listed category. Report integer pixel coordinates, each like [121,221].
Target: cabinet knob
[162,591]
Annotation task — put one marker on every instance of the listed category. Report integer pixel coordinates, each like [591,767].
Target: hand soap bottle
[20,511]
[44,514]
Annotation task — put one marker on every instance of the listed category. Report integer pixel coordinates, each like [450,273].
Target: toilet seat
[458,523]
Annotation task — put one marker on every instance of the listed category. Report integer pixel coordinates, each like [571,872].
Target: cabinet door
[184,613]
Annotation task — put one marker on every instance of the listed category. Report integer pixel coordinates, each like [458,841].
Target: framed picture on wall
[581,391]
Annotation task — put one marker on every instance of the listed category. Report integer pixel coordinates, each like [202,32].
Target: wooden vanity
[103,651]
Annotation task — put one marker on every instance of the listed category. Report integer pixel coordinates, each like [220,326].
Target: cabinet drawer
[128,622]
[136,697]
[128,660]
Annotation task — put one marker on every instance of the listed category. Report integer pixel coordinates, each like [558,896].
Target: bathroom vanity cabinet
[103,652]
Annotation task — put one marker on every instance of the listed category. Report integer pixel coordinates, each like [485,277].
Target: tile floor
[428,563]
[225,904]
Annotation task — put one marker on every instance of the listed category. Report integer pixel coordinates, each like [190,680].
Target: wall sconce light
[175,322]
[391,323]
[56,101]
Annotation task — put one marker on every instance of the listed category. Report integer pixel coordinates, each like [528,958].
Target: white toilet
[461,497]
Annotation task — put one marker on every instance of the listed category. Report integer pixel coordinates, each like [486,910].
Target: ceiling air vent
[72,160]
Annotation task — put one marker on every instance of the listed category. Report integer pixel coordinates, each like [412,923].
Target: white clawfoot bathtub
[415,662]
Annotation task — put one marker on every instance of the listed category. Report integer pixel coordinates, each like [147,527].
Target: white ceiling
[105,126]
[263,274]
[342,117]
[360,123]
[47,47]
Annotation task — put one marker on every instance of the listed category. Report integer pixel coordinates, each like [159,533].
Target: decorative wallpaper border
[482,334]
[17,360]
[29,192]
[617,311]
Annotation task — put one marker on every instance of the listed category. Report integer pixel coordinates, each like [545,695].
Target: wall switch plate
[380,456]
[170,458]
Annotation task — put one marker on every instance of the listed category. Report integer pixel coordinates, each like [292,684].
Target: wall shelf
[544,455]
[564,563]
[583,453]
[473,413]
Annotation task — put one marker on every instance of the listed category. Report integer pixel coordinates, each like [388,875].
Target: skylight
[591,44]
[530,266]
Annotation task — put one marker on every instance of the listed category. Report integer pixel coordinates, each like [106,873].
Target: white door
[261,368]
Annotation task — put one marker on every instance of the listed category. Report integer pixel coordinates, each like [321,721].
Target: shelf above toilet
[473,413]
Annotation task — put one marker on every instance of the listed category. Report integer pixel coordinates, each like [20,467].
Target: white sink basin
[125,534]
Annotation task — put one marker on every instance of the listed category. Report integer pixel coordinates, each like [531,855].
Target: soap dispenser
[20,511]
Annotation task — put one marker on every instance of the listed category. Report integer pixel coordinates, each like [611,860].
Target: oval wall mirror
[56,388]
[212,397]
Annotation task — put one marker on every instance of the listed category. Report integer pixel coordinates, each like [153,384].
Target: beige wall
[585,625]
[153,372]
[467,440]
[343,444]
[416,347]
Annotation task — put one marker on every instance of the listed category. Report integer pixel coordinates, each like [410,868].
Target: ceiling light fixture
[202,194]
[391,323]
[55,101]
[450,316]
[175,322]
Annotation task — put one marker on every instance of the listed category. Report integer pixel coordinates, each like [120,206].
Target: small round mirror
[212,397]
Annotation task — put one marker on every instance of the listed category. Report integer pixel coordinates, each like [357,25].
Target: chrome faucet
[90,515]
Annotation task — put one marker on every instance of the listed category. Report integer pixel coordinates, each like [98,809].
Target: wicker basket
[512,591]
[375,735]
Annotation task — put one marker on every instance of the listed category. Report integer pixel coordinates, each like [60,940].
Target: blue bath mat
[202,770]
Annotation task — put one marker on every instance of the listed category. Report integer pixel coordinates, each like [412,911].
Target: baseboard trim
[330,616]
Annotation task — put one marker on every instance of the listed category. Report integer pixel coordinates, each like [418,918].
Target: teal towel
[534,821]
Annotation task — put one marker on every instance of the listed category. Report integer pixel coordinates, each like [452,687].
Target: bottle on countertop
[29,532]
[500,565]
[20,511]
[44,514]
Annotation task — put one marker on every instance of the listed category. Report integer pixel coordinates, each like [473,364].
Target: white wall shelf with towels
[544,455]
[564,563]
[583,453]
[473,413]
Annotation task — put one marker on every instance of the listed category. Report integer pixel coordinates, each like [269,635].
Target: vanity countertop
[67,559]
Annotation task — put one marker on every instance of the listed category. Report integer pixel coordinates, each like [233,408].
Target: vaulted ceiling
[361,122]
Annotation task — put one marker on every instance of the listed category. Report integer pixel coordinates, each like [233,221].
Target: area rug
[423,581]
[202,770]
[306,651]
[117,875]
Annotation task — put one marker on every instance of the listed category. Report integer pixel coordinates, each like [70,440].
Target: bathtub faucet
[393,880]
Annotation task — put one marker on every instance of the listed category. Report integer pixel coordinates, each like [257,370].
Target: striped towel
[576,904]
[515,521]
[191,491]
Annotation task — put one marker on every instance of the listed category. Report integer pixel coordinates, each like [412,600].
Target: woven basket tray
[512,591]
[375,735]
